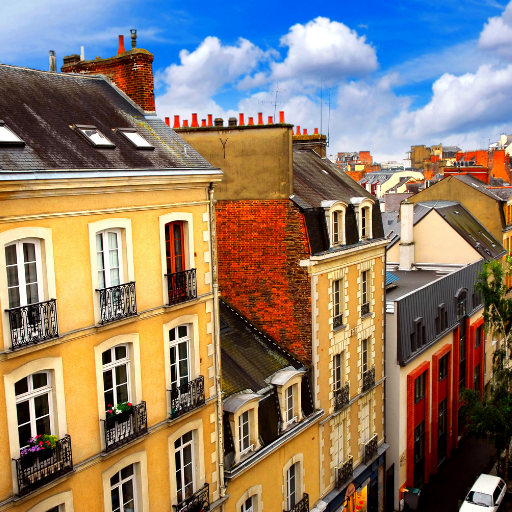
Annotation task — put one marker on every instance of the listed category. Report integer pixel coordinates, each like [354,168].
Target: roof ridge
[54,73]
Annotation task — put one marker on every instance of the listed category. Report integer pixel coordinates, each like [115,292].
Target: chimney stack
[242,122]
[210,119]
[406,236]
[270,120]
[281,117]
[176,121]
[167,121]
[82,53]
[194,124]
[121,45]
[260,117]
[53,61]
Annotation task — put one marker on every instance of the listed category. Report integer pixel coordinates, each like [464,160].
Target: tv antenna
[275,101]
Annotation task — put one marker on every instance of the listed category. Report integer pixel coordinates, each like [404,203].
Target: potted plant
[40,448]
[118,413]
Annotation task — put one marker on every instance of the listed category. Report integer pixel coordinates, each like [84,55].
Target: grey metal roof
[475,183]
[391,278]
[40,107]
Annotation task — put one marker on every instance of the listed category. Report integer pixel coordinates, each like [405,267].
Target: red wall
[260,245]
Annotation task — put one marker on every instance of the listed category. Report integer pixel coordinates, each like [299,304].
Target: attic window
[9,138]
[93,136]
[136,140]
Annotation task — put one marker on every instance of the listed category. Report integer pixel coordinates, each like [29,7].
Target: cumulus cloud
[327,49]
[497,34]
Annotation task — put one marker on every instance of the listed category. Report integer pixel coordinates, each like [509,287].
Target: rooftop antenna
[321,103]
[275,101]
[329,118]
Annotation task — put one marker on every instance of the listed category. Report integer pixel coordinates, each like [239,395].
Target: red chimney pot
[176,122]
[241,122]
[185,123]
[298,130]
[194,124]
[270,120]
[203,123]
[251,121]
[316,131]
[260,117]
[305,131]
[167,122]
[281,116]
[210,119]
[121,45]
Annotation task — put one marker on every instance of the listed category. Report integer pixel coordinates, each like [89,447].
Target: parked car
[486,495]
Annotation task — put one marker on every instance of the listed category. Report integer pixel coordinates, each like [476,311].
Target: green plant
[114,410]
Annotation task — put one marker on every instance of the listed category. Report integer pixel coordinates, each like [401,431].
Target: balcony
[341,397]
[125,427]
[198,502]
[365,309]
[187,397]
[301,506]
[337,321]
[368,379]
[117,302]
[344,472]
[37,469]
[33,323]
[370,449]
[181,286]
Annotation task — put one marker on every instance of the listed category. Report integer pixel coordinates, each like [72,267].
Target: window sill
[367,315]
[339,327]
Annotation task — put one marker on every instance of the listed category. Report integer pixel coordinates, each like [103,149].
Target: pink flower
[110,411]
[40,443]
[129,404]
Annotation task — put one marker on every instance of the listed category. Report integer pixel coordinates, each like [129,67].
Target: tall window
[116,386]
[184,458]
[23,262]
[365,303]
[292,485]
[179,340]
[418,338]
[462,355]
[365,223]
[337,313]
[419,387]
[365,422]
[174,247]
[476,386]
[243,431]
[478,336]
[442,429]
[461,305]
[108,253]
[122,490]
[337,372]
[364,355]
[442,319]
[337,227]
[247,505]
[443,367]
[419,454]
[289,405]
[33,406]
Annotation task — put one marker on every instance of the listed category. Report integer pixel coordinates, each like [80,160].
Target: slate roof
[249,357]
[40,106]
[460,220]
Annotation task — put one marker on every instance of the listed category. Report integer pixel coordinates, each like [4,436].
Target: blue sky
[398,73]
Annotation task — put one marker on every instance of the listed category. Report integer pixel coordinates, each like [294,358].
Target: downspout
[216,342]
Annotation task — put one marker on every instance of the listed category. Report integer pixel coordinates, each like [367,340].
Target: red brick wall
[260,244]
[365,157]
[477,354]
[131,71]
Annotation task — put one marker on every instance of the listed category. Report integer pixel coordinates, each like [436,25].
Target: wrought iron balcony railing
[117,302]
[198,502]
[368,379]
[181,286]
[187,397]
[337,321]
[122,428]
[344,472]
[365,308]
[341,397]
[33,323]
[370,449]
[39,468]
[301,506]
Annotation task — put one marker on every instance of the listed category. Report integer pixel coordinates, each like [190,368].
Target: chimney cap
[219,121]
[133,35]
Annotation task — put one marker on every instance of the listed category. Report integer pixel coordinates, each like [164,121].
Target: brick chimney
[131,71]
[316,141]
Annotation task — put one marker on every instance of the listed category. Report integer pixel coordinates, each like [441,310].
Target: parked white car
[486,495]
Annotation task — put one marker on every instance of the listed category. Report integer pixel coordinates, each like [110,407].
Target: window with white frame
[339,430]
[365,422]
[179,346]
[365,223]
[109,258]
[337,227]
[365,295]
[244,432]
[292,487]
[34,406]
[116,375]
[184,459]
[24,272]
[364,355]
[247,505]
[123,490]
[289,405]
[337,309]
[337,370]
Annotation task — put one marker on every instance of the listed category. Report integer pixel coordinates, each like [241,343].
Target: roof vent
[219,121]
[232,121]
[53,61]
[71,59]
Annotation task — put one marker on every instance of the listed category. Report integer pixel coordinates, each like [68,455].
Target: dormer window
[365,223]
[93,136]
[136,140]
[288,386]
[337,223]
[8,137]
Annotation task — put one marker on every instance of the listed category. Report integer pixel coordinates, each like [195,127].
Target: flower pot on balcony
[32,458]
[118,418]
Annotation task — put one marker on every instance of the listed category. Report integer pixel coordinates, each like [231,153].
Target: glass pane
[173,354]
[101,279]
[21,387]
[122,394]
[12,276]
[172,334]
[187,437]
[126,472]
[108,382]
[138,140]
[101,263]
[182,331]
[114,480]
[114,277]
[30,273]
[106,357]
[32,294]
[24,434]
[14,298]
[43,426]
[23,411]
[99,242]
[29,252]
[120,352]
[114,494]
[39,380]
[10,255]
[109,399]
[187,455]
[182,351]
[41,405]
[121,374]
[128,495]
[112,240]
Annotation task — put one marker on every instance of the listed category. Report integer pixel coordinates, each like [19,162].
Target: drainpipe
[216,342]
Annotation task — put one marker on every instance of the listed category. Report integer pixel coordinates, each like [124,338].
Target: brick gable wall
[260,245]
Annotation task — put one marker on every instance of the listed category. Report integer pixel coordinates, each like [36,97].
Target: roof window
[8,137]
[135,139]
[93,136]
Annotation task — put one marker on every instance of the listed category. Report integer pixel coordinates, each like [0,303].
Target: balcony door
[184,460]
[175,260]
[179,340]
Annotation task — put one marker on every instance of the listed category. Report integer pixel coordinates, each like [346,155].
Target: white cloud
[324,48]
[496,36]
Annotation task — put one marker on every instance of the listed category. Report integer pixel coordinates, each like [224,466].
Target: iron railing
[365,308]
[181,286]
[187,397]
[344,472]
[341,397]
[337,321]
[33,323]
[368,379]
[301,506]
[122,428]
[39,468]
[198,502]
[370,448]
[117,302]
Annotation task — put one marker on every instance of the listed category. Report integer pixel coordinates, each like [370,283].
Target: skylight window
[93,136]
[9,138]
[136,140]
